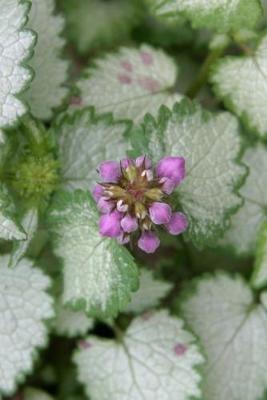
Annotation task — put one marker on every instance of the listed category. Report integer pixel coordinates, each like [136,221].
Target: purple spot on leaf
[124,79]
[150,84]
[179,349]
[146,58]
[83,344]
[127,66]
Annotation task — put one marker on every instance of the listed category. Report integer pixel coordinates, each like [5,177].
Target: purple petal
[110,171]
[148,242]
[143,161]
[168,185]
[110,224]
[178,223]
[160,213]
[172,168]
[129,223]
[126,162]
[97,192]
[105,206]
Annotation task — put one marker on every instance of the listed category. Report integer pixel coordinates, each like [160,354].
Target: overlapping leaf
[16,44]
[246,222]
[130,83]
[149,294]
[156,359]
[242,83]
[24,306]
[210,144]
[47,89]
[222,15]
[232,328]
[84,142]
[99,274]
[96,23]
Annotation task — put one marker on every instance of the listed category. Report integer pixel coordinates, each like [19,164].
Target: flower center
[135,190]
[130,199]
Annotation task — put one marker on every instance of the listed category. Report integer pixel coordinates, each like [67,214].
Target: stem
[203,75]
[118,332]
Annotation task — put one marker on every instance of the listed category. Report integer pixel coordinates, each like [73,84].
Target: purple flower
[129,224]
[160,213]
[110,224]
[177,224]
[97,192]
[105,205]
[143,161]
[148,242]
[122,207]
[110,171]
[168,185]
[126,162]
[172,168]
[133,200]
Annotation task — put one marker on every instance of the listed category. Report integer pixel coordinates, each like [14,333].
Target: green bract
[29,224]
[9,229]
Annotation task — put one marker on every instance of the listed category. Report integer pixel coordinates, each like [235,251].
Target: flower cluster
[132,198]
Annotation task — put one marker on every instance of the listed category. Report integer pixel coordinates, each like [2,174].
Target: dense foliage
[133,200]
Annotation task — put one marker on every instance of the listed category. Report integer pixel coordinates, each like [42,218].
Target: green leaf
[149,294]
[246,222]
[155,359]
[94,23]
[99,274]
[259,278]
[16,44]
[24,306]
[210,144]
[84,141]
[232,328]
[130,83]
[9,229]
[35,394]
[29,224]
[47,89]
[241,83]
[71,323]
[222,15]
